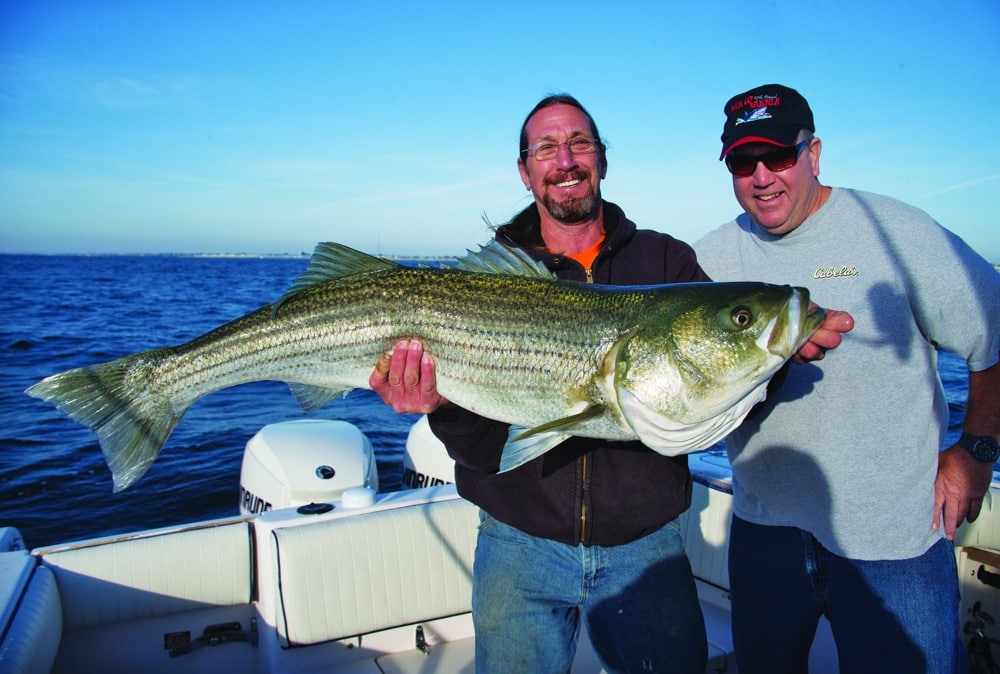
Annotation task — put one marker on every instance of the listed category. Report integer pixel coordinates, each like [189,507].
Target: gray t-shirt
[847,448]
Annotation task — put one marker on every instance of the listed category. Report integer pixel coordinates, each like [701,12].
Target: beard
[572,210]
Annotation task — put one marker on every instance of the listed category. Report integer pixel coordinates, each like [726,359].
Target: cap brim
[726,149]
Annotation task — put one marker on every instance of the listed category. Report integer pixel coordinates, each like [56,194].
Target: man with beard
[589,529]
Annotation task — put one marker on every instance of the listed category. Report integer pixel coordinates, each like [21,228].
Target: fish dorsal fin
[331,261]
[496,258]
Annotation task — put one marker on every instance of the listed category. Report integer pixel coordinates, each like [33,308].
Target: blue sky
[264,127]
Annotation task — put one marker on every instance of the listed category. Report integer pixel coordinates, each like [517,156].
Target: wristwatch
[982,447]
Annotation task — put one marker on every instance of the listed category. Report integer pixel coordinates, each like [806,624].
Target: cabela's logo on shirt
[834,271]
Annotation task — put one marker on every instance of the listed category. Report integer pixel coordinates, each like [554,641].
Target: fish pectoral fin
[564,423]
[524,445]
[312,398]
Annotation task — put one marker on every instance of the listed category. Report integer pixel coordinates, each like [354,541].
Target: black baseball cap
[771,113]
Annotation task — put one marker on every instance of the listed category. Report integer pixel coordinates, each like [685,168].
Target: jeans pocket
[485,520]
[500,531]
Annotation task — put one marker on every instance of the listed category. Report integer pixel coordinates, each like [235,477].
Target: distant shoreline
[261,256]
[232,256]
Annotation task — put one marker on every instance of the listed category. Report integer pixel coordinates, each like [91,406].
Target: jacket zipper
[583,502]
[589,271]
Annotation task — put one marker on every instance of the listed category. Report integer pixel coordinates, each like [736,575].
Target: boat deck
[383,588]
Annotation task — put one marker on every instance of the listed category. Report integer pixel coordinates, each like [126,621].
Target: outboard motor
[426,462]
[294,463]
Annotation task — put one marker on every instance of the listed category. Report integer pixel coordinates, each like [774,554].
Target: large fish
[676,366]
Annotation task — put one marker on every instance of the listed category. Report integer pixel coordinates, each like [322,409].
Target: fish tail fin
[130,427]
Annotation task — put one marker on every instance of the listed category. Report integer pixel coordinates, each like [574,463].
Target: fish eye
[742,317]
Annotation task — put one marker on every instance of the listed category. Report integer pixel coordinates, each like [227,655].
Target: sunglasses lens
[775,160]
[741,165]
[779,160]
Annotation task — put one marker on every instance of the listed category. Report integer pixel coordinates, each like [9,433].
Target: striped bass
[676,366]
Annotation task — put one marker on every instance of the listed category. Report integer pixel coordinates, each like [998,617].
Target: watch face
[986,449]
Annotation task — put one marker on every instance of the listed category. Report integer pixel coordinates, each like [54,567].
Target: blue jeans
[638,602]
[886,616]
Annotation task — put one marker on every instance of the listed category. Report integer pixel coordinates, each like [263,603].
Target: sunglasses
[775,160]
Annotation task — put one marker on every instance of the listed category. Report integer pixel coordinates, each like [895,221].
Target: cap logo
[752,116]
[757,104]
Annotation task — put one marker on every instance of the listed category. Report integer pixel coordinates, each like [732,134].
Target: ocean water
[61,312]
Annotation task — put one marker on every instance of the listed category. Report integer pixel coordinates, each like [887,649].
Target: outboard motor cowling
[426,462]
[293,463]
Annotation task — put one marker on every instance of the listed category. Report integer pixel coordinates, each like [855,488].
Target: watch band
[982,447]
[968,440]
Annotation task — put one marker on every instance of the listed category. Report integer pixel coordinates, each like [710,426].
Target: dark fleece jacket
[585,490]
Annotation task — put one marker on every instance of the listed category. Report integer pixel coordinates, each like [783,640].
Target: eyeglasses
[576,145]
[778,159]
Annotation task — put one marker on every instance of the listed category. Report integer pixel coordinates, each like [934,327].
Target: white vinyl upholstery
[32,640]
[346,577]
[110,581]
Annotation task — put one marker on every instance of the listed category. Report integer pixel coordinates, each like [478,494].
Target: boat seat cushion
[114,580]
[352,576]
[32,638]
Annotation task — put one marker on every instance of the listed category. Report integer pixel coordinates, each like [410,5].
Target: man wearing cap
[843,505]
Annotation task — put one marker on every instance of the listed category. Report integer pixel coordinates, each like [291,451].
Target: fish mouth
[814,318]
[795,325]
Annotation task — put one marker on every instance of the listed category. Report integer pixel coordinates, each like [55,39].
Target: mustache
[577,174]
